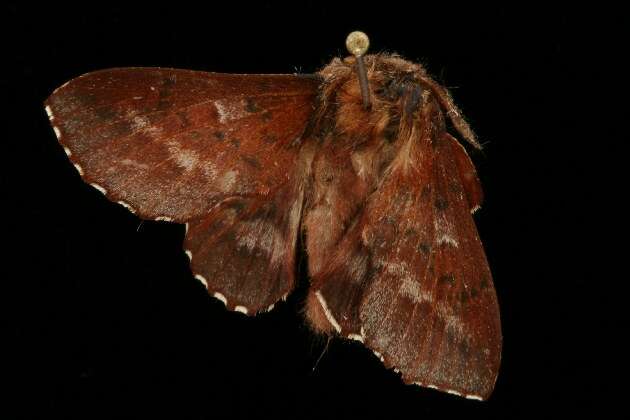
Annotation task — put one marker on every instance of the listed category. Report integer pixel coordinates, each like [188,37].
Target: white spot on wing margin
[241,309]
[188,254]
[358,337]
[202,280]
[57,132]
[220,297]
[98,187]
[124,204]
[163,219]
[49,113]
[80,170]
[329,315]
[450,391]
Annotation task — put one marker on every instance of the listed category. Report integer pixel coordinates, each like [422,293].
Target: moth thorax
[395,94]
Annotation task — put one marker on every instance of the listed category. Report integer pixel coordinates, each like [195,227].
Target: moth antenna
[357,44]
[452,111]
[139,225]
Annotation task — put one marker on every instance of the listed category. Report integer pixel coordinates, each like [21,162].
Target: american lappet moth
[356,159]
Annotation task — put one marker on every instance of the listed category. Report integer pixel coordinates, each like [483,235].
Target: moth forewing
[399,263]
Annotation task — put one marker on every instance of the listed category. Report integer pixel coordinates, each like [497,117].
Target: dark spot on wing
[219,135]
[251,161]
[270,138]
[484,283]
[463,297]
[441,204]
[425,248]
[251,106]
[447,278]
[410,233]
[235,142]
[266,116]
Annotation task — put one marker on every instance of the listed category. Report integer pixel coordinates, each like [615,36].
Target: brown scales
[384,181]
[359,145]
[383,196]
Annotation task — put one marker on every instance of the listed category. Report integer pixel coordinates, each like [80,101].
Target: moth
[361,171]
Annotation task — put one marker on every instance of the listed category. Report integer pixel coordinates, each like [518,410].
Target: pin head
[357,43]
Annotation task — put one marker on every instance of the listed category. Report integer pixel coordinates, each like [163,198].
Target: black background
[102,317]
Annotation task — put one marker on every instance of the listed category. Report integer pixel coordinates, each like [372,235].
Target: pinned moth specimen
[360,164]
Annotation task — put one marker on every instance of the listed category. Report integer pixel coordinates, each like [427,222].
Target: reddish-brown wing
[217,151]
[244,249]
[171,144]
[415,285]
[431,311]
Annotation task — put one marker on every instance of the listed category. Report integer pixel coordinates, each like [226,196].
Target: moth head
[397,96]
